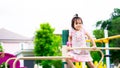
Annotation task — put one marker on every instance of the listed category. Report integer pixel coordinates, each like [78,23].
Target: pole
[83,64]
[107,51]
[65,34]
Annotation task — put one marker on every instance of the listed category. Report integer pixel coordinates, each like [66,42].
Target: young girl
[77,38]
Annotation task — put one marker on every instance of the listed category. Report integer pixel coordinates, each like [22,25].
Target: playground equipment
[79,65]
[9,56]
[64,51]
[36,58]
[55,57]
[105,40]
[43,58]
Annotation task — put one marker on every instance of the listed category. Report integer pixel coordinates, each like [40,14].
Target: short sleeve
[85,31]
[70,32]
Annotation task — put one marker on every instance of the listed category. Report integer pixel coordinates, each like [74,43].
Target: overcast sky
[25,16]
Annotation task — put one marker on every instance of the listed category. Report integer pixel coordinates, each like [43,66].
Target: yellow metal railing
[105,39]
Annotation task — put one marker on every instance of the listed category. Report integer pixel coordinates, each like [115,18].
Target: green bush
[3,65]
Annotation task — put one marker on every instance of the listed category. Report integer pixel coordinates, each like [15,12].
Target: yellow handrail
[103,39]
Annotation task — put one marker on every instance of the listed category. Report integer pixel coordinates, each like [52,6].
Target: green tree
[115,42]
[108,23]
[47,44]
[1,48]
[112,24]
[116,13]
[99,33]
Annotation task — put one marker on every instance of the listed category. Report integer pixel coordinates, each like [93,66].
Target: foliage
[115,14]
[115,27]
[115,42]
[99,33]
[47,44]
[112,25]
[104,24]
[108,23]
[1,48]
[3,65]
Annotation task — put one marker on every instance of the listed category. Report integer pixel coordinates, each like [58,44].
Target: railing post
[83,64]
[107,46]
[65,34]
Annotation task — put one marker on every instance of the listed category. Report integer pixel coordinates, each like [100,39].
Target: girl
[77,39]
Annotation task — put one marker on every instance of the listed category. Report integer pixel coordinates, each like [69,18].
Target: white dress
[78,40]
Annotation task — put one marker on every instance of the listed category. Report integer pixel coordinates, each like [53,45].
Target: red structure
[6,57]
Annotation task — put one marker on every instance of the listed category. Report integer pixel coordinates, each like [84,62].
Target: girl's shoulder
[84,30]
[71,30]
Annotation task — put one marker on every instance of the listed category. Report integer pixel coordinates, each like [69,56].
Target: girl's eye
[78,23]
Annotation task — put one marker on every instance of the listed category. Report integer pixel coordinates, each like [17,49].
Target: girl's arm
[69,43]
[70,38]
[92,40]
[2,54]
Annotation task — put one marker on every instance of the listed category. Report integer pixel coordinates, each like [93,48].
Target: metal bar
[64,57]
[42,58]
[46,58]
[97,48]
[107,38]
[9,60]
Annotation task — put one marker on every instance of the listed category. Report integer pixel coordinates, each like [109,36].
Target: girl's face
[77,24]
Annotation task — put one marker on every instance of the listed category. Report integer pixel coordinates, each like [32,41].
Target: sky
[25,16]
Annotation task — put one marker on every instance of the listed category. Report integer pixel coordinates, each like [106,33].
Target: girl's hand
[69,44]
[94,47]
[69,48]
[2,55]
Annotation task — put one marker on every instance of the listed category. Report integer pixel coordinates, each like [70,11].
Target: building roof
[9,36]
